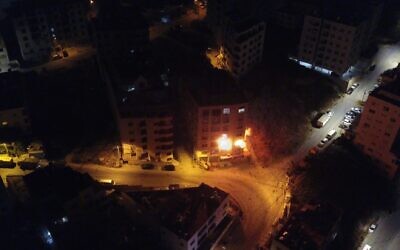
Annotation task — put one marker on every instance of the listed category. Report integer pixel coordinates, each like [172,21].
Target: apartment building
[215,119]
[119,30]
[378,132]
[13,101]
[242,43]
[146,125]
[4,60]
[183,219]
[216,11]
[332,43]
[45,28]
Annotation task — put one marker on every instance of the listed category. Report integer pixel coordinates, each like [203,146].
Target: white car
[367,247]
[322,142]
[372,228]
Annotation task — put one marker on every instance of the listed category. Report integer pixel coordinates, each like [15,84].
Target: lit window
[226,111]
[241,110]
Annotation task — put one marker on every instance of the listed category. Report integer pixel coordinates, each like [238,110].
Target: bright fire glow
[240,143]
[224,143]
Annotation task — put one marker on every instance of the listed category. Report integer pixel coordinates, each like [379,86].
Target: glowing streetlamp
[224,143]
[240,143]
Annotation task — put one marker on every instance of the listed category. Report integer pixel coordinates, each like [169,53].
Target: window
[386,108]
[226,111]
[392,120]
[371,111]
[130,124]
[387,134]
[216,112]
[241,110]
[366,125]
[206,113]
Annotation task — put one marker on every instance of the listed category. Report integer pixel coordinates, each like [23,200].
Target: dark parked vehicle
[28,165]
[147,166]
[349,91]
[168,167]
[7,164]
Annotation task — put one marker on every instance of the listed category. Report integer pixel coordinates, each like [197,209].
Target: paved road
[387,57]
[259,194]
[387,234]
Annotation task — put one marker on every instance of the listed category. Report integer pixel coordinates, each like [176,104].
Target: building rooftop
[56,185]
[182,211]
[309,228]
[389,92]
[215,88]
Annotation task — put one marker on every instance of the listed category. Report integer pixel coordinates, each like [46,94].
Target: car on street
[348,117]
[344,126]
[313,151]
[367,247]
[355,85]
[168,167]
[376,85]
[350,91]
[351,113]
[356,110]
[347,121]
[106,182]
[28,165]
[331,134]
[323,142]
[372,228]
[147,166]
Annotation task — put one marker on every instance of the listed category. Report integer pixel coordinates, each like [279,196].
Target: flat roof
[182,211]
[216,88]
[389,92]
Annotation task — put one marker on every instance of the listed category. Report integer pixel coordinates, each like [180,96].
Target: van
[331,134]
[106,181]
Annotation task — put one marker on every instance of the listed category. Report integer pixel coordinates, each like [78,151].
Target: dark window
[386,108]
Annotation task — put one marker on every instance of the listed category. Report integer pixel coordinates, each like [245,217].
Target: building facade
[186,226]
[216,121]
[44,30]
[378,132]
[242,44]
[331,44]
[4,60]
[146,126]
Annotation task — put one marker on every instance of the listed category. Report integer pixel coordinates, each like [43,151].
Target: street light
[224,143]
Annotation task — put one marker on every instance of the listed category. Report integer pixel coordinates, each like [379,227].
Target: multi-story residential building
[146,128]
[313,227]
[215,119]
[378,132]
[45,28]
[13,111]
[332,44]
[242,43]
[120,31]
[4,60]
[183,218]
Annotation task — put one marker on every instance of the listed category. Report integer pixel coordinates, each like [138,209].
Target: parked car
[28,165]
[109,182]
[313,151]
[356,110]
[372,228]
[323,142]
[7,164]
[351,113]
[344,126]
[349,91]
[348,117]
[372,67]
[147,166]
[355,85]
[331,134]
[168,167]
